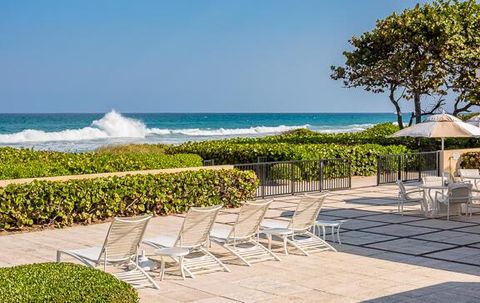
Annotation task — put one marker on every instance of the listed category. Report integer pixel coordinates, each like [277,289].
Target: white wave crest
[112,125]
[258,130]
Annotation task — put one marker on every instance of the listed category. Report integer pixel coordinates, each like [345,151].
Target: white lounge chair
[120,248]
[296,231]
[194,235]
[410,196]
[241,239]
[458,193]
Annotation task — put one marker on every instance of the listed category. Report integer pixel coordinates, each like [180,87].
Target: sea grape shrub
[27,163]
[55,203]
[62,282]
[363,157]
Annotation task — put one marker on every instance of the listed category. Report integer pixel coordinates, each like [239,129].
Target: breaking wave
[114,125]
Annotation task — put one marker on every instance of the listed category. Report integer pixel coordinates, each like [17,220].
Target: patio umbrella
[440,126]
[475,120]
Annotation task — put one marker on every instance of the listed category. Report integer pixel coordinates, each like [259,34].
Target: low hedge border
[47,203]
[62,282]
[27,163]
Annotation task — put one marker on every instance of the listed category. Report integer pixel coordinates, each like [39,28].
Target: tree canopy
[426,53]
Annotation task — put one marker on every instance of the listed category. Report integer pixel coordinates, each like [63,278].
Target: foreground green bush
[470,160]
[27,163]
[363,157]
[62,282]
[43,203]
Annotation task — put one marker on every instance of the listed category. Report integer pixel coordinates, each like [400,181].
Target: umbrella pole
[443,144]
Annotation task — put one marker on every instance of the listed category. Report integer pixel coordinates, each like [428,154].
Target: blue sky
[182,56]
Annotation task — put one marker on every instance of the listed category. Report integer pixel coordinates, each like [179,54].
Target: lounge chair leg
[162,268]
[285,245]
[269,237]
[181,267]
[59,256]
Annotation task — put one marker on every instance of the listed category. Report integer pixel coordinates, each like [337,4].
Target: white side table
[332,224]
[174,253]
[282,233]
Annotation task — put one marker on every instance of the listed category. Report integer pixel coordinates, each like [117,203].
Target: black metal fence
[407,167]
[290,177]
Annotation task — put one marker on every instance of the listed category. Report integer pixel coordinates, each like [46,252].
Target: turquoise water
[88,131]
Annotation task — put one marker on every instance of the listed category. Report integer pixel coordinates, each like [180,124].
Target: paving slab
[451,237]
[411,246]
[440,224]
[400,230]
[393,218]
[363,238]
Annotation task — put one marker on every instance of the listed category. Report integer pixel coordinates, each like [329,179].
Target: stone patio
[384,257]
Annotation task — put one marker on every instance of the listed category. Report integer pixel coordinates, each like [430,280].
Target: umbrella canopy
[440,126]
[475,120]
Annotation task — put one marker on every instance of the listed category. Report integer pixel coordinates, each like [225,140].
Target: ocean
[83,132]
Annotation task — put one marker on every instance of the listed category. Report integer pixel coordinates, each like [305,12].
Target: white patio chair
[119,248]
[194,235]
[471,176]
[241,239]
[296,231]
[410,196]
[458,193]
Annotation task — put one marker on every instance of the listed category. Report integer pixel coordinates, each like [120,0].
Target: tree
[420,54]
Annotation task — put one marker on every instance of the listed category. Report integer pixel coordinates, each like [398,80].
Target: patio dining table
[432,203]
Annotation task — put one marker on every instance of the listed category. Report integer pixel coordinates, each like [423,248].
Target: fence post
[378,170]
[263,179]
[320,175]
[293,177]
[419,167]
[399,167]
[349,163]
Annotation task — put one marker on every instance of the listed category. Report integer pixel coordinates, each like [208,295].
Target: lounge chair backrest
[459,192]
[465,173]
[123,238]
[432,180]
[197,226]
[248,220]
[307,212]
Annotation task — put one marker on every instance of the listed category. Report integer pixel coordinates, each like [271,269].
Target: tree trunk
[397,108]
[418,108]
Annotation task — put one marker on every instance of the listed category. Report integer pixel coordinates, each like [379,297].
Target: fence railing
[291,177]
[407,167]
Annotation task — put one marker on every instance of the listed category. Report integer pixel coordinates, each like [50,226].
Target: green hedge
[27,163]
[377,134]
[42,203]
[470,160]
[363,157]
[62,282]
